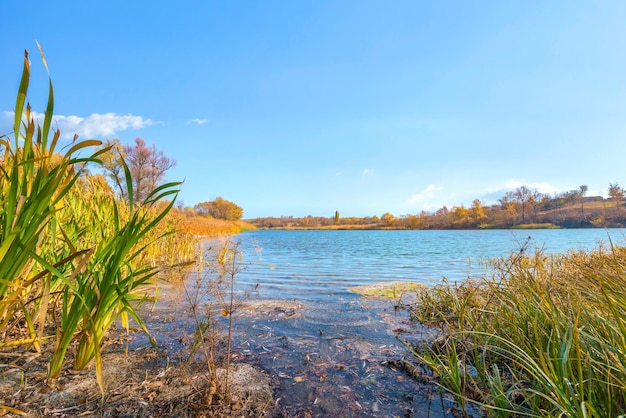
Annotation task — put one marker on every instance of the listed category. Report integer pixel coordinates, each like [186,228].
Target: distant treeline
[522,208]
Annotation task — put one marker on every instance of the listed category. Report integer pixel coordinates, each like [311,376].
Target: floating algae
[388,290]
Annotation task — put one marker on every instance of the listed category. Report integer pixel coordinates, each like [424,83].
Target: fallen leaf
[155,384]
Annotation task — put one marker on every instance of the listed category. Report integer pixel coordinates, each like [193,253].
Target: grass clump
[544,336]
[546,225]
[387,290]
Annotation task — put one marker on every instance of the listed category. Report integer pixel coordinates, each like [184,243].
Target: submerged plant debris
[399,292]
[289,359]
[142,382]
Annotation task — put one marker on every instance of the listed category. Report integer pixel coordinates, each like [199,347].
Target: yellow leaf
[13,410]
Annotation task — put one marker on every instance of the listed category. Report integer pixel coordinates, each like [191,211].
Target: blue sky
[307,107]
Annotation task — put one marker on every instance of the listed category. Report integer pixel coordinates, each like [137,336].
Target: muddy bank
[147,381]
[140,379]
[289,359]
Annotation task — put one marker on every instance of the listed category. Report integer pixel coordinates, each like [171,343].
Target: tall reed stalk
[229,260]
[66,242]
[35,256]
[104,290]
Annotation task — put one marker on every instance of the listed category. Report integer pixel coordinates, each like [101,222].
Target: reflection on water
[333,353]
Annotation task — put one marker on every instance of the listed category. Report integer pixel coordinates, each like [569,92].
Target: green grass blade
[21,97]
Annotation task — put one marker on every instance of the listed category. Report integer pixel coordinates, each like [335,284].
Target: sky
[296,108]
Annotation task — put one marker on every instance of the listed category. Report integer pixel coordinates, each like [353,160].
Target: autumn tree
[388,219]
[112,163]
[461,216]
[523,196]
[220,209]
[441,218]
[477,213]
[147,167]
[509,207]
[540,200]
[582,190]
[417,221]
[616,193]
[146,164]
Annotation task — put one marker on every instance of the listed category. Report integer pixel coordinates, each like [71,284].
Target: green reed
[72,257]
[34,180]
[104,290]
[544,336]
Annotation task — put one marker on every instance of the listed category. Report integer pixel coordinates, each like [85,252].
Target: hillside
[557,212]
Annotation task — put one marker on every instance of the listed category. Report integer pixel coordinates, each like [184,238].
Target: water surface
[332,352]
[321,265]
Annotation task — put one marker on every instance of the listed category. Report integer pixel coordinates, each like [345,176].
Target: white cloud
[515,184]
[198,121]
[96,125]
[365,172]
[491,195]
[424,197]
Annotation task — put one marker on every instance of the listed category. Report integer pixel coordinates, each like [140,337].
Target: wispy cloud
[425,197]
[365,172]
[96,125]
[492,194]
[513,184]
[197,121]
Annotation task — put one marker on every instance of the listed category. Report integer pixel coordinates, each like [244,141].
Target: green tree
[337,218]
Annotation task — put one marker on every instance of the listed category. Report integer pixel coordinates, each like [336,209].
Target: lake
[321,265]
[331,352]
